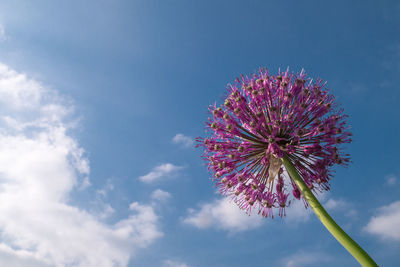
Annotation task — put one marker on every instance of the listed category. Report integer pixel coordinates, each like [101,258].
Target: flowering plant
[277,136]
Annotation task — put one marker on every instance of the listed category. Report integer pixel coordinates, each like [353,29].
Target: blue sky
[101,100]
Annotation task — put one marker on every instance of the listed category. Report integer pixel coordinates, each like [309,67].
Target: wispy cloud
[297,212]
[108,187]
[302,258]
[100,207]
[386,223]
[174,263]
[392,56]
[356,88]
[40,165]
[160,171]
[333,204]
[390,180]
[344,207]
[183,140]
[160,195]
[222,214]
[3,36]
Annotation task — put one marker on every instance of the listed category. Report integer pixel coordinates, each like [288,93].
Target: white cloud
[160,171]
[223,214]
[174,263]
[146,218]
[390,180]
[19,258]
[183,140]
[333,204]
[386,223]
[17,92]
[344,207]
[40,165]
[160,195]
[308,258]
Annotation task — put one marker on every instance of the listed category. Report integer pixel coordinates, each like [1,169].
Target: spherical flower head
[264,118]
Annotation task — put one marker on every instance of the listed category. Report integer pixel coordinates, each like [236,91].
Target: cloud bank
[40,165]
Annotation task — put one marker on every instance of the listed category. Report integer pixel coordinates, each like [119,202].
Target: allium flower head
[263,118]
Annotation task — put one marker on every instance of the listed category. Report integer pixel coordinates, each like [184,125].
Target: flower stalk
[267,120]
[358,253]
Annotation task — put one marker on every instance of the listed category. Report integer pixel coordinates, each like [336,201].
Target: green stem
[358,253]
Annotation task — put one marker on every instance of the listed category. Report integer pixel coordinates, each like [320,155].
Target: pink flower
[263,118]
